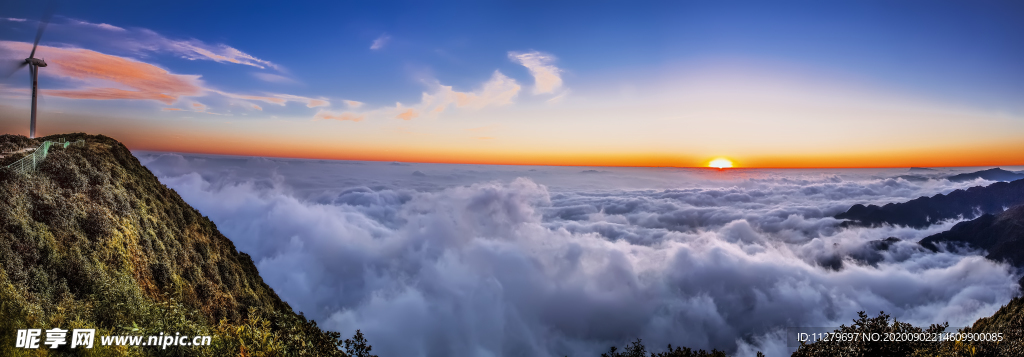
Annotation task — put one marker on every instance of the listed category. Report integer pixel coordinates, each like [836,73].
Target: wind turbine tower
[34,64]
[33,69]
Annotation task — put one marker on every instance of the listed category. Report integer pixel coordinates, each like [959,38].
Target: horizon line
[568,165]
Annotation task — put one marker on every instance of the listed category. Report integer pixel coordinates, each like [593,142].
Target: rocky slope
[93,240]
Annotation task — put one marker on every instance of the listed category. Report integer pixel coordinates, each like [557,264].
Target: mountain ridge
[925,211]
[996,174]
[1001,235]
[92,239]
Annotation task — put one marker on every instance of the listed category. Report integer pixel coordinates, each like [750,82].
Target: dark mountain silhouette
[921,169]
[914,178]
[92,239]
[924,211]
[995,174]
[1001,235]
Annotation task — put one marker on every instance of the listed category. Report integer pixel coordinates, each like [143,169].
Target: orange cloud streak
[408,115]
[146,81]
[110,93]
[324,115]
[313,103]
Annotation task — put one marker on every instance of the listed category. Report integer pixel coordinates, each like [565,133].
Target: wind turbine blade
[51,7]
[11,66]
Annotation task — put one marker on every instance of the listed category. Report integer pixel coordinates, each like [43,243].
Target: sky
[596,83]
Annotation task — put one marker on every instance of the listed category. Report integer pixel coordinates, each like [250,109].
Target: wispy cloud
[142,42]
[380,42]
[278,99]
[109,93]
[13,19]
[310,102]
[101,76]
[353,104]
[273,78]
[408,114]
[103,26]
[499,90]
[261,98]
[558,98]
[9,92]
[111,77]
[346,116]
[197,50]
[546,77]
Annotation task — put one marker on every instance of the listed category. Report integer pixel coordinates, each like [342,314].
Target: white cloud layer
[546,77]
[440,260]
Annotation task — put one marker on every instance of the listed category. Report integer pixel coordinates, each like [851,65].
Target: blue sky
[642,63]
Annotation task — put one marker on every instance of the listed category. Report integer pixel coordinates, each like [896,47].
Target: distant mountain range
[995,174]
[1002,235]
[924,211]
[998,228]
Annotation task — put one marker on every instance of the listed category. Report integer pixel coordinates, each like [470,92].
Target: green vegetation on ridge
[93,240]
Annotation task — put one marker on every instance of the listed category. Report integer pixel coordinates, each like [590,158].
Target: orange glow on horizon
[720,163]
[172,137]
[952,157]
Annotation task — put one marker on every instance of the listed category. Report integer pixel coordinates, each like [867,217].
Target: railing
[30,162]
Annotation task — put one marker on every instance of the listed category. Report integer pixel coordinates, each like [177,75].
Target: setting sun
[720,163]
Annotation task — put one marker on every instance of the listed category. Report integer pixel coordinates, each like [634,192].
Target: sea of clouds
[474,260]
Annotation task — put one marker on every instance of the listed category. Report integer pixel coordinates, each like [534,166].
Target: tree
[357,346]
[637,349]
[879,326]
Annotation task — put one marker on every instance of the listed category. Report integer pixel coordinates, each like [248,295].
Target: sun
[720,163]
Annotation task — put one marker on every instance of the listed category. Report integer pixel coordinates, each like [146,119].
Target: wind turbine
[34,64]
